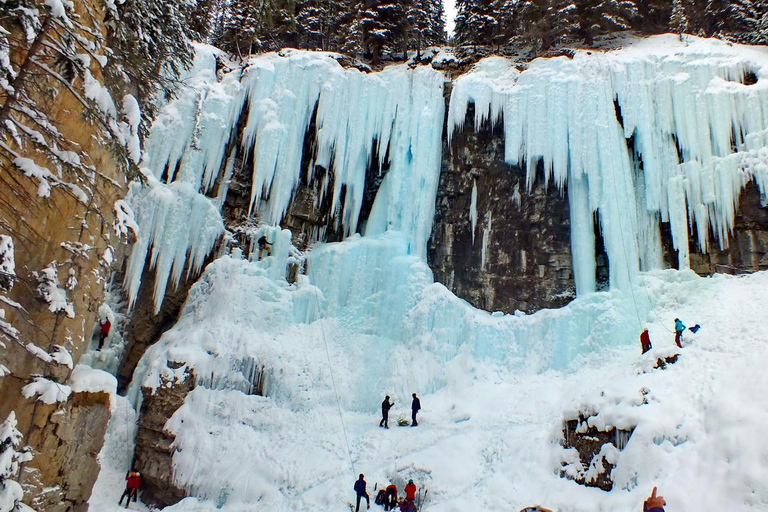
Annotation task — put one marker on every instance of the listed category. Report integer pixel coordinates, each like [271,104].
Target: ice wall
[396,113]
[659,131]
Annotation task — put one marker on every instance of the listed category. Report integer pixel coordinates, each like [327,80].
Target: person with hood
[385,407]
[132,484]
[654,503]
[415,408]
[360,491]
[679,328]
[645,340]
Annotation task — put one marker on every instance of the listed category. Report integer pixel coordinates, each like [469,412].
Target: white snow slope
[368,320]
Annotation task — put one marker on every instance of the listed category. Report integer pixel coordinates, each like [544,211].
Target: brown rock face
[153,454]
[748,245]
[588,442]
[518,255]
[67,440]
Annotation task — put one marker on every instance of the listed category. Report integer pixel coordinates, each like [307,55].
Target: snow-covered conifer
[542,23]
[596,17]
[11,455]
[477,22]
[678,21]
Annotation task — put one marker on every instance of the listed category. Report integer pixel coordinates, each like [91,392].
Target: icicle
[680,105]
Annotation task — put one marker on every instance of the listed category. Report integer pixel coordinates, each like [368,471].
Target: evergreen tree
[596,17]
[148,38]
[730,17]
[542,22]
[423,24]
[477,22]
[653,15]
[250,26]
[318,23]
[760,35]
[678,21]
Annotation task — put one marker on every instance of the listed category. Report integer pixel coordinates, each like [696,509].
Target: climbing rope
[335,389]
[629,276]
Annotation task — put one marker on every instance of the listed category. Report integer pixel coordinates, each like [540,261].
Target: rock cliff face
[494,243]
[71,438]
[153,455]
[60,240]
[748,246]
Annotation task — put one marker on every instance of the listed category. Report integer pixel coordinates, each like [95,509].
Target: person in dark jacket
[390,503]
[360,491]
[654,503]
[415,408]
[645,341]
[385,407]
[679,328]
[264,246]
[104,326]
[132,484]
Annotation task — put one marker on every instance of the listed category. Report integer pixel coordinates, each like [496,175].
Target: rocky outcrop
[515,254]
[589,442]
[153,455]
[146,327]
[67,439]
[748,244]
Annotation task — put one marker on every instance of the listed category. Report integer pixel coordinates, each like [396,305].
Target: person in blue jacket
[679,328]
[360,490]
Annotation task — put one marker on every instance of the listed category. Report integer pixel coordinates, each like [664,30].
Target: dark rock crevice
[518,255]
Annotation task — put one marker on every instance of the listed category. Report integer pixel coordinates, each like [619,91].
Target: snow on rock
[125,222]
[659,131]
[41,174]
[49,392]
[50,291]
[86,379]
[7,262]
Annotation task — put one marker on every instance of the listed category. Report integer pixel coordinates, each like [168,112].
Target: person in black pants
[385,407]
[415,408]
[360,490]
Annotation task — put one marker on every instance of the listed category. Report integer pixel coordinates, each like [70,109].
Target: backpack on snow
[381,497]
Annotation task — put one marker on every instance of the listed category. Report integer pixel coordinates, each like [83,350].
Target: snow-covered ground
[487,439]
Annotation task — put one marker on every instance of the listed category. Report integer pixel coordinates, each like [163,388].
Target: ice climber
[264,246]
[132,484]
[645,340]
[654,503]
[104,326]
[360,491]
[385,407]
[415,408]
[390,503]
[679,328]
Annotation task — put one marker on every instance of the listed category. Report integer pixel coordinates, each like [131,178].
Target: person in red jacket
[645,341]
[654,503]
[104,327]
[410,496]
[391,501]
[132,484]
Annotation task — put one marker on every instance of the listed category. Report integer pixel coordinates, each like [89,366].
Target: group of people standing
[386,405]
[387,496]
